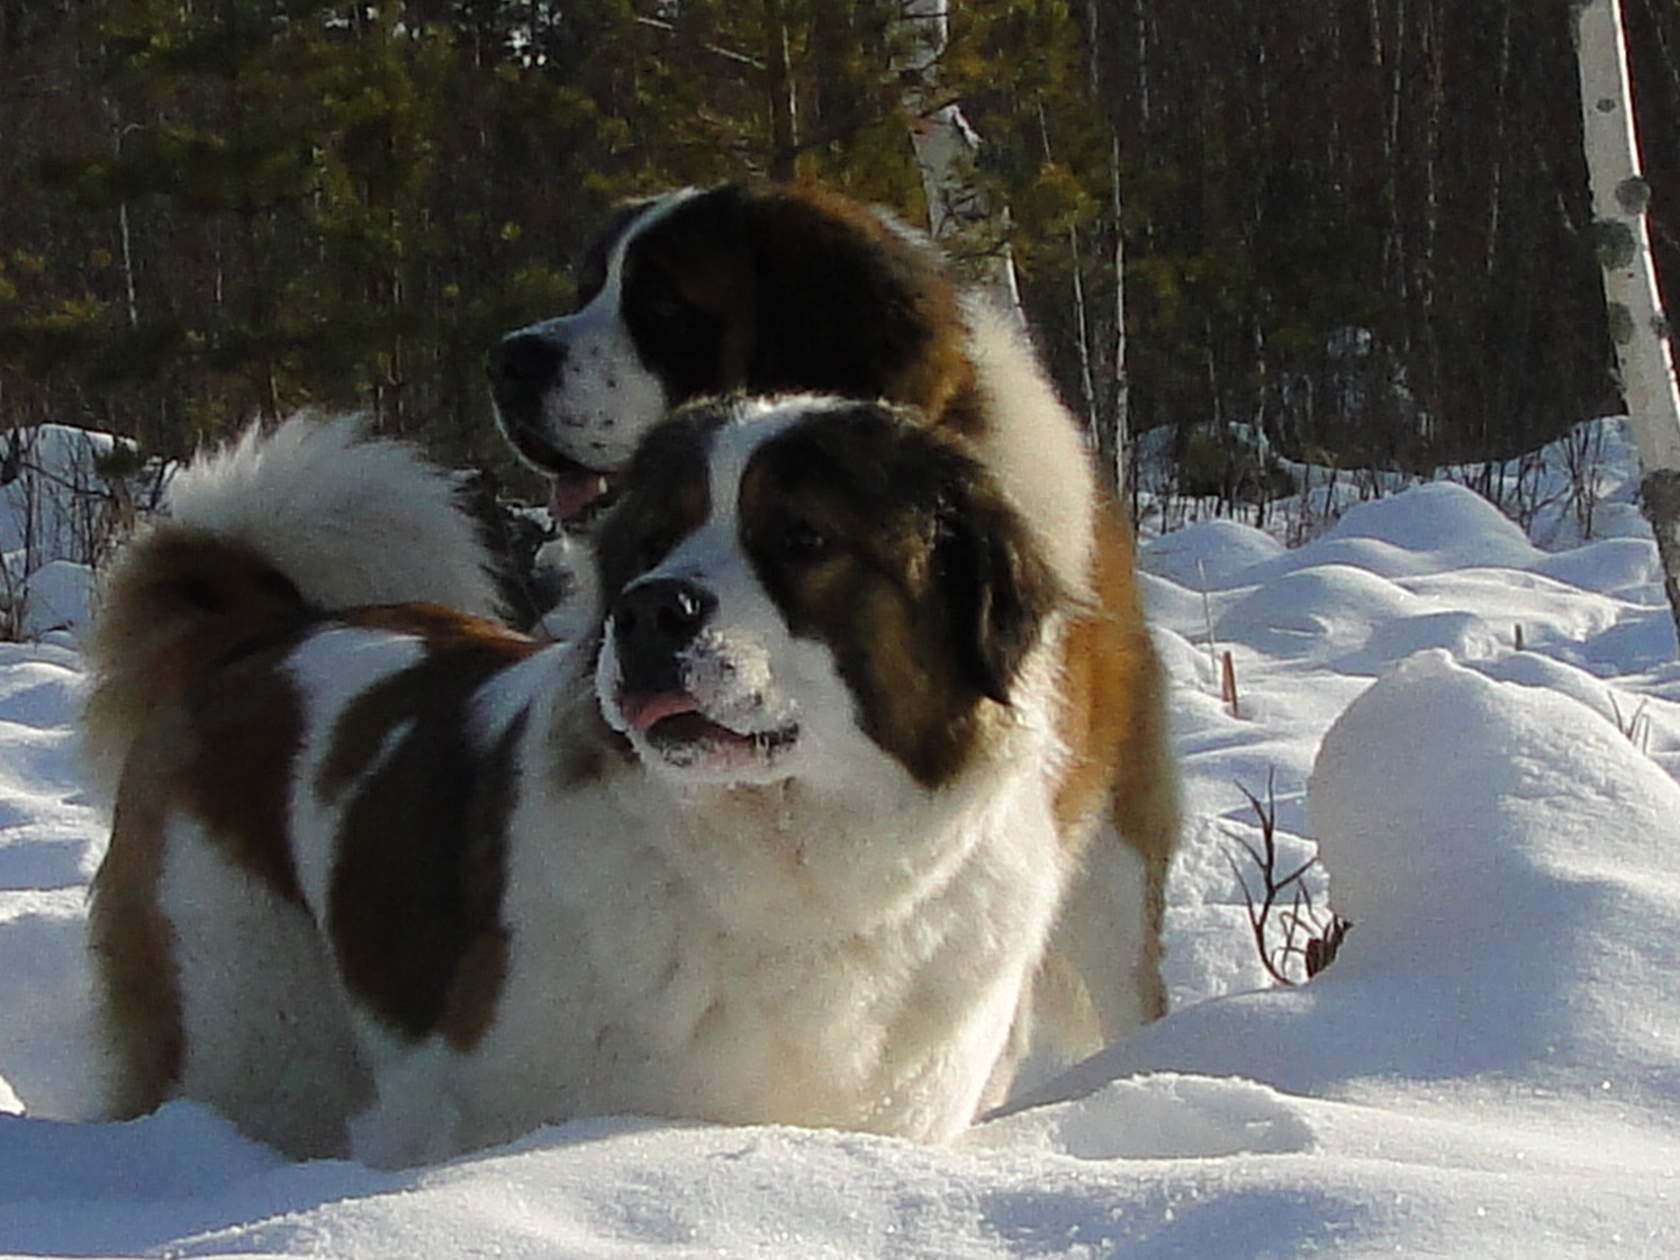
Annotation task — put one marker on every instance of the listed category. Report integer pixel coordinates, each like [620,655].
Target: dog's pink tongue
[570,493]
[643,711]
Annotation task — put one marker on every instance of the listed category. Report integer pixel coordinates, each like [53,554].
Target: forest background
[1360,228]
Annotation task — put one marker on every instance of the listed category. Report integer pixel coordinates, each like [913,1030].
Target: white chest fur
[755,956]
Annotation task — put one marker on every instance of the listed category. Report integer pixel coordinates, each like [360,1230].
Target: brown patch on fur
[710,268]
[470,1003]
[793,289]
[440,628]
[890,544]
[1115,727]
[187,713]
[850,305]
[220,754]
[414,906]
[132,946]
[174,602]
[245,724]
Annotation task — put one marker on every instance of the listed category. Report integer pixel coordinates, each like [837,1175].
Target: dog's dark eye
[657,299]
[803,543]
[789,539]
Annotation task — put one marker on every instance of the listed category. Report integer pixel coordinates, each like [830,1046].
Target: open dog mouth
[673,723]
[576,492]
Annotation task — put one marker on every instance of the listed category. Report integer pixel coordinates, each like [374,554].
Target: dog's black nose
[523,362]
[653,622]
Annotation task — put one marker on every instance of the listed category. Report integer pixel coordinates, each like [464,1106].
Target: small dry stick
[1636,729]
[1228,683]
[1207,615]
[1318,940]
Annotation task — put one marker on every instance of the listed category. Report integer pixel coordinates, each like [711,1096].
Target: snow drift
[1491,1068]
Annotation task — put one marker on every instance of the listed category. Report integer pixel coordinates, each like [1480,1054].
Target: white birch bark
[1637,323]
[119,133]
[1120,419]
[946,146]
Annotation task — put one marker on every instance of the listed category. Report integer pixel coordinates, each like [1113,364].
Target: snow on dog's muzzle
[678,691]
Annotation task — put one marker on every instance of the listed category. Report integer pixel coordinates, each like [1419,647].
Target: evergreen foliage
[1359,228]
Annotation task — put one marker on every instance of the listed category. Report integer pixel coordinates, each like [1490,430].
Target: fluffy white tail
[266,535]
[349,521]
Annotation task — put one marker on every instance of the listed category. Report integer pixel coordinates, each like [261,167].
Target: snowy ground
[1491,1068]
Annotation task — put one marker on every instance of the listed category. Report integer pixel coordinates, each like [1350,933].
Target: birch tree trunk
[1119,424]
[946,147]
[1637,323]
[119,133]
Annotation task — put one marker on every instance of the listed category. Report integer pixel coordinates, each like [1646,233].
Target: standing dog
[774,289]
[775,843]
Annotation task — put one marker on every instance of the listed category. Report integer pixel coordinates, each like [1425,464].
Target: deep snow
[1491,1067]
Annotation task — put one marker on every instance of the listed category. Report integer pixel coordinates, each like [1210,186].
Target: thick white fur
[845,956]
[839,948]
[1033,447]
[1038,454]
[350,521]
[268,1041]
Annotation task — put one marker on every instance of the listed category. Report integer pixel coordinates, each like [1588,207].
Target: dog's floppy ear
[998,587]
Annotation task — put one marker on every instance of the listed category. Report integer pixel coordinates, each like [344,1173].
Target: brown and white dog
[776,843]
[766,289]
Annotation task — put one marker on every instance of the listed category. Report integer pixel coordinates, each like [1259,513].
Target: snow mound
[1424,529]
[1510,868]
[60,593]
[1506,857]
[49,481]
[45,1045]
[1442,519]
[1321,612]
[1209,555]
[1164,1116]
[1610,566]
[58,514]
[34,691]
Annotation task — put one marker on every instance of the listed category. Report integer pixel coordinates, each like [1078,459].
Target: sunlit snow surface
[1491,1068]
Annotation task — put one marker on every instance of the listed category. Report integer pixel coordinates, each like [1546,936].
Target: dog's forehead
[714,471]
[878,457]
[709,448]
[753,424]
[763,430]
[636,219]
[605,255]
